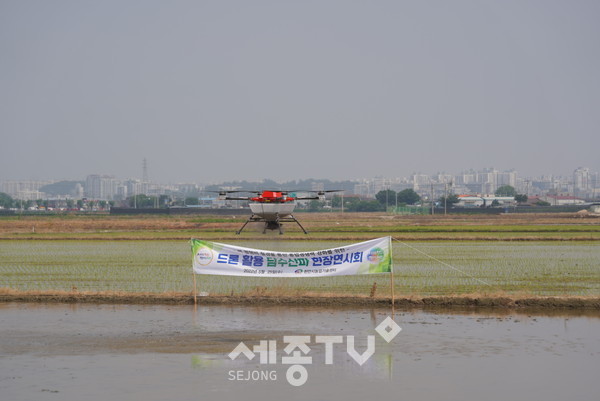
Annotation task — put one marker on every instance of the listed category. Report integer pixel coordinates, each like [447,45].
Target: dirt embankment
[96,223]
[329,300]
[83,224]
[323,226]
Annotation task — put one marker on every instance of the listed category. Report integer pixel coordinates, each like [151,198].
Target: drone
[273,207]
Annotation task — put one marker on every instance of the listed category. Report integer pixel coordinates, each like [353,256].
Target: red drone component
[272,197]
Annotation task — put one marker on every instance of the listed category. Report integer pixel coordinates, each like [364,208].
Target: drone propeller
[223,194]
[319,194]
[329,190]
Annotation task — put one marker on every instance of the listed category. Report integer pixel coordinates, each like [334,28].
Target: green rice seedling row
[546,268]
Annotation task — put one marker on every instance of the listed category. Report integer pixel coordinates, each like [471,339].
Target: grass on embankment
[589,306]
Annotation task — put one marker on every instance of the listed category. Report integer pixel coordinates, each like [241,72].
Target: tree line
[383,199]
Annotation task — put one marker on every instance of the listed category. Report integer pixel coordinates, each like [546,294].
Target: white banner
[374,256]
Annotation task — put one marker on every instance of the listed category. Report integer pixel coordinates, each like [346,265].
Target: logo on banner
[204,256]
[375,255]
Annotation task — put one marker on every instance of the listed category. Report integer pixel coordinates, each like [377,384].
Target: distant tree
[141,201]
[150,201]
[6,201]
[70,203]
[164,200]
[336,201]
[386,197]
[542,203]
[521,198]
[370,206]
[408,196]
[506,190]
[451,200]
[495,203]
[356,205]
[79,203]
[350,204]
[102,204]
[315,206]
[191,200]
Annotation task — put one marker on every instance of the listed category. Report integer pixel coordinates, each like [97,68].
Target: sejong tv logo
[297,351]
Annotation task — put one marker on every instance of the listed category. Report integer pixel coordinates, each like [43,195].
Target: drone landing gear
[272,224]
[292,218]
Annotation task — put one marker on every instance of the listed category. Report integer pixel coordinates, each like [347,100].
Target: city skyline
[212,91]
[145,176]
[205,179]
[581,182]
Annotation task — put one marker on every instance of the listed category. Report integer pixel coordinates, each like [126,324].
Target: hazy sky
[230,90]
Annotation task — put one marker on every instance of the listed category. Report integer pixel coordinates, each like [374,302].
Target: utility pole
[445,197]
[387,192]
[432,204]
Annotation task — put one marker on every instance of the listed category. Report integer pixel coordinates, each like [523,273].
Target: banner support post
[392,273]
[194,275]
[392,285]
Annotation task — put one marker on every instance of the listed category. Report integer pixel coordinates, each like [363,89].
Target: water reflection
[97,352]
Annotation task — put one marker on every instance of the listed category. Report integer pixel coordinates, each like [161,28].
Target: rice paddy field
[422,268]
[486,255]
[321,226]
[102,306]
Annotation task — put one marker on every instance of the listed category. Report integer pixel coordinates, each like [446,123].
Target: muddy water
[100,352]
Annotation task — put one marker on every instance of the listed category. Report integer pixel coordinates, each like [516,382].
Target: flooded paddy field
[545,268]
[126,352]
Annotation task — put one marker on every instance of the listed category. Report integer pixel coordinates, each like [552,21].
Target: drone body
[272,207]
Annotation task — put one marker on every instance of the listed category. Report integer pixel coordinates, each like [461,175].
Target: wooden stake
[194,275]
[392,276]
[373,289]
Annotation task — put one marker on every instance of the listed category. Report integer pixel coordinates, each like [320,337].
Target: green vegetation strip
[558,228]
[551,268]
